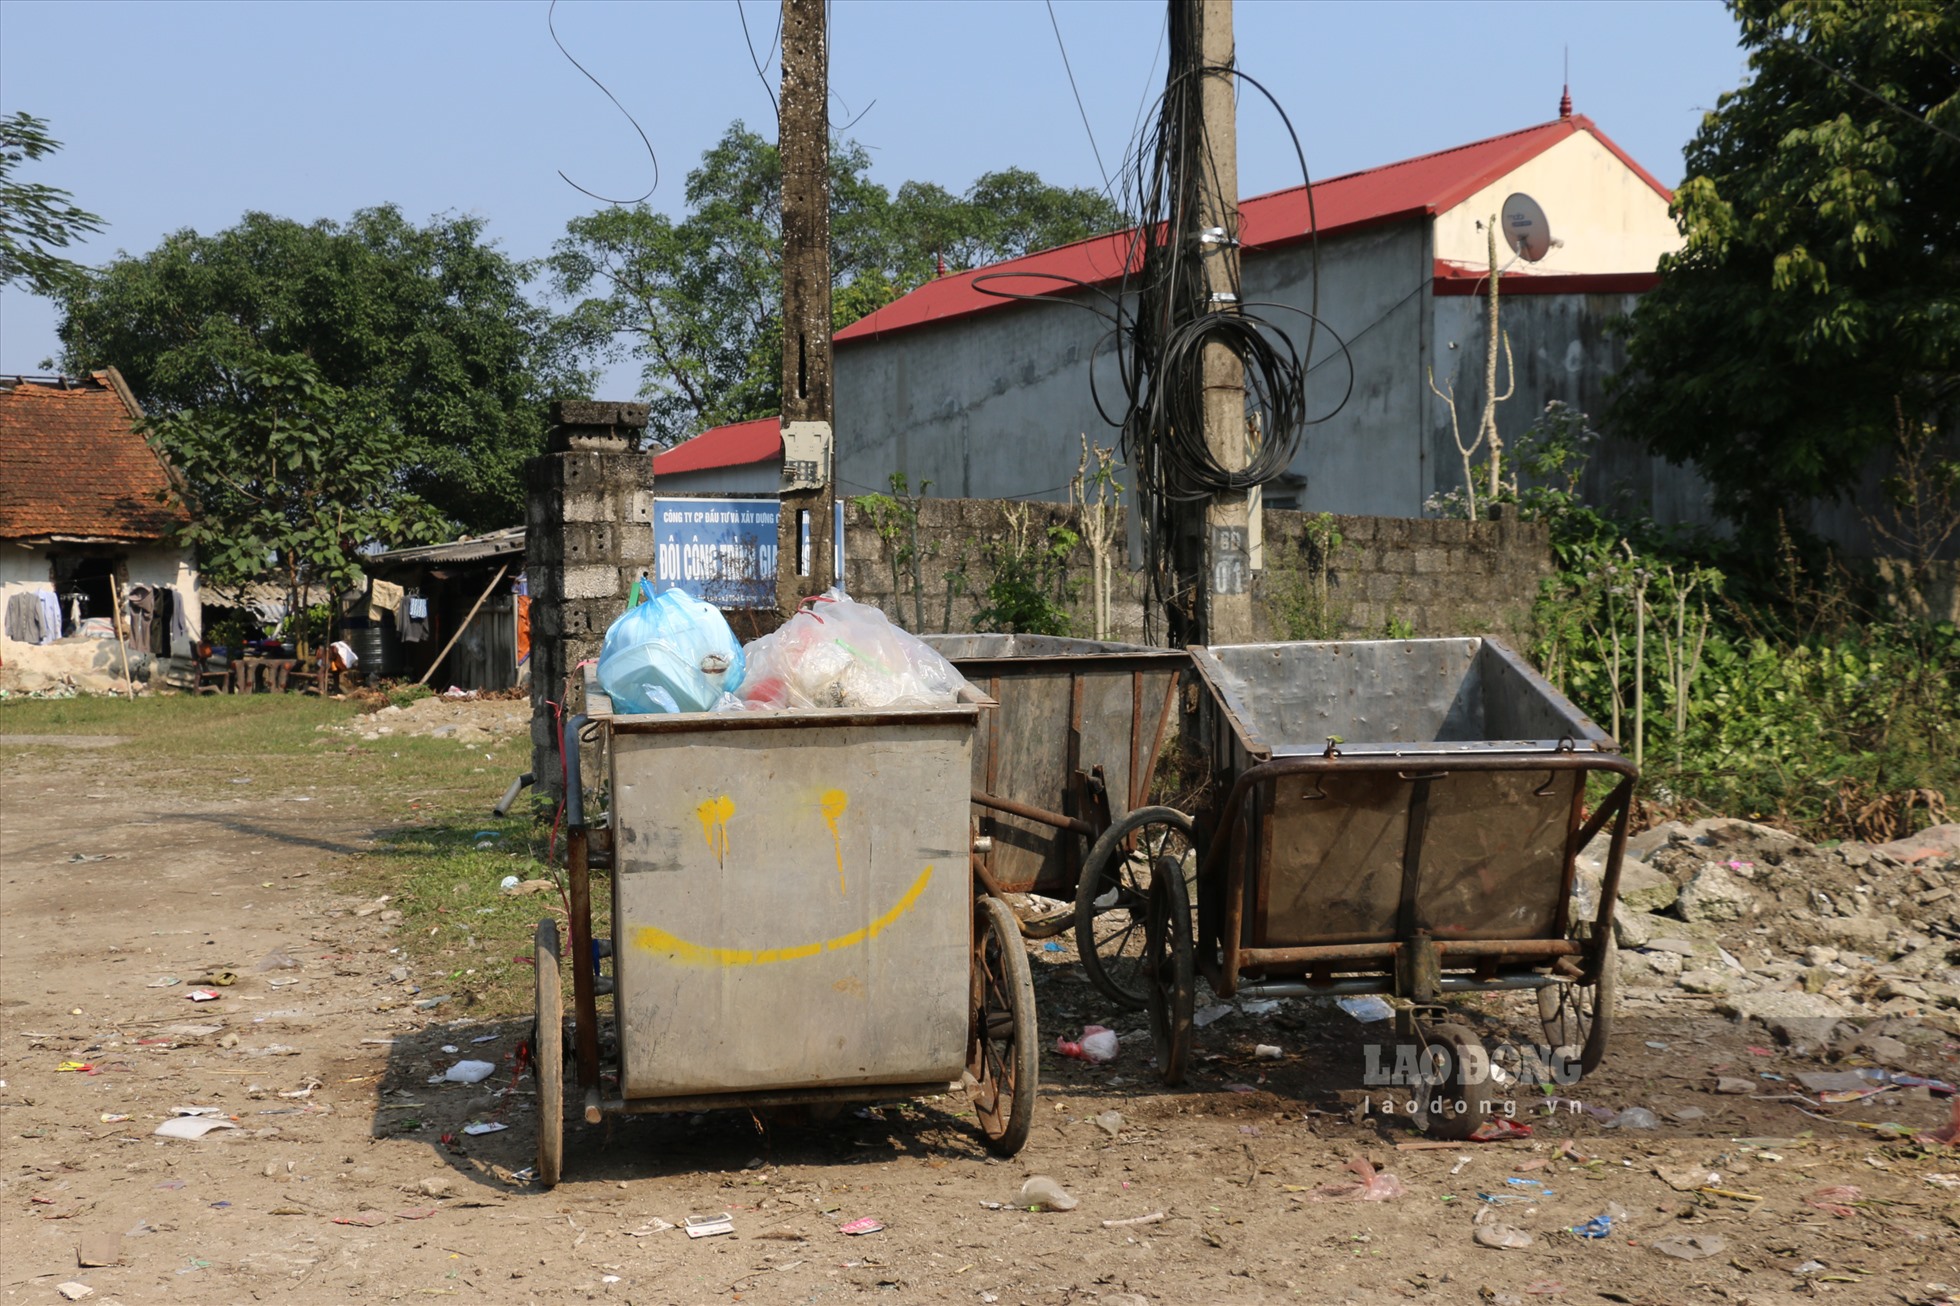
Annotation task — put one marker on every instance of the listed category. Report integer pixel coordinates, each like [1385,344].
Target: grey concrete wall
[1562,350]
[1438,577]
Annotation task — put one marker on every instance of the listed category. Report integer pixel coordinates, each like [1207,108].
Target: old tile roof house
[84,497]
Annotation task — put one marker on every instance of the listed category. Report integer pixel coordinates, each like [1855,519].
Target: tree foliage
[1820,280]
[698,300]
[425,331]
[36,220]
[294,483]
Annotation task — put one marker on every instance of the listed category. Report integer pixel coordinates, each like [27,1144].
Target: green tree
[426,329]
[36,220]
[293,483]
[697,301]
[1821,274]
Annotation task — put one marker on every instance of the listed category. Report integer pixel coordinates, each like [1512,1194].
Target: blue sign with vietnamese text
[723,551]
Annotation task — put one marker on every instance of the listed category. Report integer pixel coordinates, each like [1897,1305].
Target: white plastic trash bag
[673,653]
[838,653]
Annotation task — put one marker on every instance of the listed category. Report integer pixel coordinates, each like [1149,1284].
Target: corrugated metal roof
[737,444]
[495,544]
[1428,184]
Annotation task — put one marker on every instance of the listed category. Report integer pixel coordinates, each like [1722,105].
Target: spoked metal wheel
[1112,900]
[1580,1016]
[548,1056]
[1002,1055]
[1168,962]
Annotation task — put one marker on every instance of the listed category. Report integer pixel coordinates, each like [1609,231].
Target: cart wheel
[548,1056]
[1461,1103]
[1112,898]
[1581,1015]
[1002,1053]
[1168,962]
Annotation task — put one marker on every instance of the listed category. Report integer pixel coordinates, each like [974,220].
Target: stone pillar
[588,538]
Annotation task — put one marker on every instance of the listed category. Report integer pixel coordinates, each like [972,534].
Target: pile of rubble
[476,721]
[1847,942]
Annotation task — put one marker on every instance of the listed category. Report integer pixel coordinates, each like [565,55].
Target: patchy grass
[444,875]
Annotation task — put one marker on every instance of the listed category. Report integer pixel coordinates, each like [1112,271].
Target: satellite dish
[1526,229]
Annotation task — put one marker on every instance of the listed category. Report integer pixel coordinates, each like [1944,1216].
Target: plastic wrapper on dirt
[838,653]
[673,653]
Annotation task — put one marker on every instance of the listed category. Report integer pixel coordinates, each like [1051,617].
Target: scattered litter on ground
[466,1072]
[1097,1045]
[1042,1193]
[1502,1237]
[1368,1185]
[857,1228]
[1155,1217]
[485,1127]
[708,1226]
[1692,1247]
[189,1127]
[74,1291]
[1367,1008]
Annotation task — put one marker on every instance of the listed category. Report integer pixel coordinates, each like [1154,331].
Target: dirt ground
[348,1177]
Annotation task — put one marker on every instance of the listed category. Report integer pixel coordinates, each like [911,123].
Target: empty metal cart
[1394,817]
[1071,747]
[794,920]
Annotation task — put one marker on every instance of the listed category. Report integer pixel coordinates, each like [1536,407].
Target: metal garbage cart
[1394,817]
[794,921]
[1070,749]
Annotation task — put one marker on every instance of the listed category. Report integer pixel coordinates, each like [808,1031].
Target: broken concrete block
[1632,929]
[1715,895]
[1642,888]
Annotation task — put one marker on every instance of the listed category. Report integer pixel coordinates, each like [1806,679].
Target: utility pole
[1214,542]
[807,492]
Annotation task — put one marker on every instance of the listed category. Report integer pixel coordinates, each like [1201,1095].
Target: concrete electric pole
[808,492]
[1214,542]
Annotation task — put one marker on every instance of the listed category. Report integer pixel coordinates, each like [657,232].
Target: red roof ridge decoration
[1427,184]
[74,466]
[737,444]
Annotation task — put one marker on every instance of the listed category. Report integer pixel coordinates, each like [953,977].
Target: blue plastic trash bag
[671,654]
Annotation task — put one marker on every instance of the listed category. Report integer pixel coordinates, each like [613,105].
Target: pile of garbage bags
[675,653]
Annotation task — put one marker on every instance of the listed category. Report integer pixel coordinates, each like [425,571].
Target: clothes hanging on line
[162,621]
[384,599]
[50,615]
[24,619]
[141,601]
[412,619]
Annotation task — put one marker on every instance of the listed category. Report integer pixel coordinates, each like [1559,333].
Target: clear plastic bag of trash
[1045,1193]
[672,653]
[1368,1185]
[470,1072]
[1097,1046]
[839,653]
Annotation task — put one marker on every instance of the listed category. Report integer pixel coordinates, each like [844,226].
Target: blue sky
[178,115]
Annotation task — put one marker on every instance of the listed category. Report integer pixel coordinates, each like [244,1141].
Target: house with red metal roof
[89,510]
[741,458]
[987,397]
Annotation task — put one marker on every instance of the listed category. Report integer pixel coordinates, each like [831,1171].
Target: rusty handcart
[1388,817]
[794,921]
[1070,749]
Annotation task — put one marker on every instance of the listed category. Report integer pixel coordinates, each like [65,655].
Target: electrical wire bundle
[1163,319]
